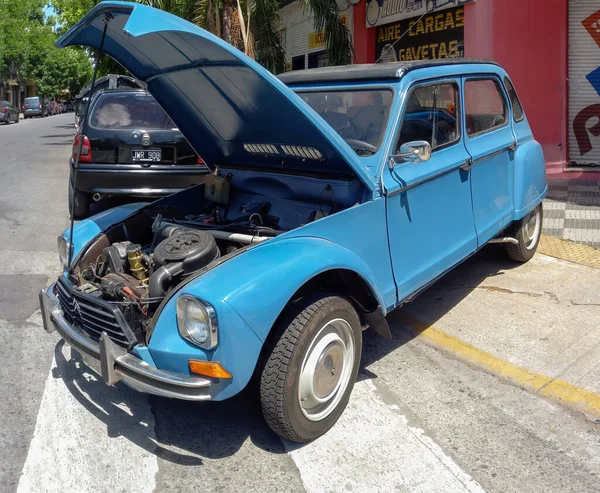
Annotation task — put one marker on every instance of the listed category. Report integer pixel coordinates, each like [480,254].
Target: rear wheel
[309,375]
[527,232]
[79,203]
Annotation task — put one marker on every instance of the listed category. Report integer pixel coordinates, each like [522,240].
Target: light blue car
[338,194]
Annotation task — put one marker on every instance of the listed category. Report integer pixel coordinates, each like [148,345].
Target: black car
[8,113]
[34,106]
[130,147]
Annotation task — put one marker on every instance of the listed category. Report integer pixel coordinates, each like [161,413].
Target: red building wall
[530,40]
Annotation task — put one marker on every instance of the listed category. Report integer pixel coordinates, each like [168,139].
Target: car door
[490,141]
[429,211]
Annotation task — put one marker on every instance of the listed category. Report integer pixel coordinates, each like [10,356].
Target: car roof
[370,71]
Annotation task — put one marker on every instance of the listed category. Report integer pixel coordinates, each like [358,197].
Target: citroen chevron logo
[77,308]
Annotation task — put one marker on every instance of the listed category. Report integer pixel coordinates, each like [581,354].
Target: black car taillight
[86,149]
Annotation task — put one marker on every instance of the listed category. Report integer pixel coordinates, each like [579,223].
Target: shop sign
[317,39]
[437,35]
[385,11]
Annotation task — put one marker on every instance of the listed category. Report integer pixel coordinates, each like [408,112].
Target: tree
[253,26]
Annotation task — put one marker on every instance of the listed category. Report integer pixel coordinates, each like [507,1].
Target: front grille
[93,315]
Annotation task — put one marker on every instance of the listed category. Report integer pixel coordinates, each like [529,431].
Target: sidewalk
[536,325]
[572,211]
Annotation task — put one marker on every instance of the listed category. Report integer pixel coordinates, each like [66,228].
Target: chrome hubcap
[326,370]
[532,228]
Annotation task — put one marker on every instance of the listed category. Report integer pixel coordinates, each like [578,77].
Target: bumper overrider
[114,363]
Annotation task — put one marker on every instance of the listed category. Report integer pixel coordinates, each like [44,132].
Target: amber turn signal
[209,369]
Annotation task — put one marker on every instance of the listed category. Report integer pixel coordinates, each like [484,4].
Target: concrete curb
[559,391]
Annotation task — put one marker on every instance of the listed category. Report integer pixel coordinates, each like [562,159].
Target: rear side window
[432,115]
[133,110]
[485,107]
[514,100]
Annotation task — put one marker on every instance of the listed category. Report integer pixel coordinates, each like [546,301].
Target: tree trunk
[226,18]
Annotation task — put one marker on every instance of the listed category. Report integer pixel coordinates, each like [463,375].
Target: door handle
[467,165]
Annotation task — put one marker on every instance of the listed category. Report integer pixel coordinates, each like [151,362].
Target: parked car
[34,106]
[131,147]
[53,108]
[110,81]
[8,113]
[304,235]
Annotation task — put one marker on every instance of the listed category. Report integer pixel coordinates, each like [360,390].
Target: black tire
[280,378]
[528,243]
[79,202]
[18,118]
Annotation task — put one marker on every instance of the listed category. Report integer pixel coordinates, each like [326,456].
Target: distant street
[424,415]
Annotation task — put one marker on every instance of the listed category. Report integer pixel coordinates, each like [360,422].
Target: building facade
[550,48]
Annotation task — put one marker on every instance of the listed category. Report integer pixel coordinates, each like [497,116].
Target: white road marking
[89,437]
[372,448]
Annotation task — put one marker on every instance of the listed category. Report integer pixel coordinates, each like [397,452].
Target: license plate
[146,155]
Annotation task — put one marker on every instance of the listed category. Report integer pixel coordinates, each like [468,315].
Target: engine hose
[157,286]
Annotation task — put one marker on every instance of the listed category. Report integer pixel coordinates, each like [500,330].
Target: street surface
[419,420]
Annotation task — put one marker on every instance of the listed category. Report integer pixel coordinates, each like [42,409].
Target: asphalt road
[419,420]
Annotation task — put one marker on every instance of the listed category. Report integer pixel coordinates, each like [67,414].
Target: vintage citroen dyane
[337,195]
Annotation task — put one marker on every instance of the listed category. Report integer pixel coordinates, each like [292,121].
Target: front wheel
[310,372]
[527,232]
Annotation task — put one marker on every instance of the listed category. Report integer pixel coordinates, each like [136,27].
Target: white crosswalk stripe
[372,448]
[79,444]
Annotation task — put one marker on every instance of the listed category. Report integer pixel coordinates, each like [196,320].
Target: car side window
[485,106]
[431,114]
[514,100]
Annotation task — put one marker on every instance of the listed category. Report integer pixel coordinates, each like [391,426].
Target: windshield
[130,110]
[32,102]
[359,116]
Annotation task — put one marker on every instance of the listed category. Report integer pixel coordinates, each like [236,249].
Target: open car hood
[232,110]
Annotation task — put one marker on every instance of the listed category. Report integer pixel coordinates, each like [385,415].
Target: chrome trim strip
[132,370]
[137,191]
[424,180]
[512,147]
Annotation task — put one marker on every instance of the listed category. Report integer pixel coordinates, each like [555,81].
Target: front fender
[259,283]
[86,230]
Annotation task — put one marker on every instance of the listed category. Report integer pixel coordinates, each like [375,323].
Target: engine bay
[136,263]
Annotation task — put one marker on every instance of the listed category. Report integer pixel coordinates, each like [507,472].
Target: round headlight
[197,322]
[63,251]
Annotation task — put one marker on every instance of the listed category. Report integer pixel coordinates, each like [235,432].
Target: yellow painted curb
[567,250]
[563,392]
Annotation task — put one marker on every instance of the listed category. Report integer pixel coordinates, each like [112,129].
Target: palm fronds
[337,36]
[270,51]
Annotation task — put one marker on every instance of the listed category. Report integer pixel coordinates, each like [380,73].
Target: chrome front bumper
[114,363]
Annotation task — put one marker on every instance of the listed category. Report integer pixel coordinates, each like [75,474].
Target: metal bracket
[109,352]
[468,165]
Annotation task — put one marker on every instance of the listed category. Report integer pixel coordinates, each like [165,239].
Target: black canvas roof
[368,71]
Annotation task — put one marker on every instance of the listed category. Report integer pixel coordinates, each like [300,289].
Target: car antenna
[105,19]
[427,11]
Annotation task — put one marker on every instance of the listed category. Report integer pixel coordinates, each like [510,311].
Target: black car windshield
[359,116]
[32,101]
[129,110]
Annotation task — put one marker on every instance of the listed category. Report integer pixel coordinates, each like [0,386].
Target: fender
[86,230]
[246,282]
[530,178]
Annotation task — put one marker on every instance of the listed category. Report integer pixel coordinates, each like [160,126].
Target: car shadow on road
[407,322]
[185,432]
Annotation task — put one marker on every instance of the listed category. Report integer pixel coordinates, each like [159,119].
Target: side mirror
[412,152]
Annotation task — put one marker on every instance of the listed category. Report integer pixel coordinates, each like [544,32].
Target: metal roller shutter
[584,82]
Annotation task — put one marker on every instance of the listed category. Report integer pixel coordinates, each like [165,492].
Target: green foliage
[27,50]
[270,51]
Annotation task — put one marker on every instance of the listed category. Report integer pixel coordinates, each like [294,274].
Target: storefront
[550,48]
[305,47]
[584,82]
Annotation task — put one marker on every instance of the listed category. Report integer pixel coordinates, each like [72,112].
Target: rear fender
[530,178]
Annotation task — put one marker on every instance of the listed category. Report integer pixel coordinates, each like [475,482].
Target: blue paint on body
[399,229]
